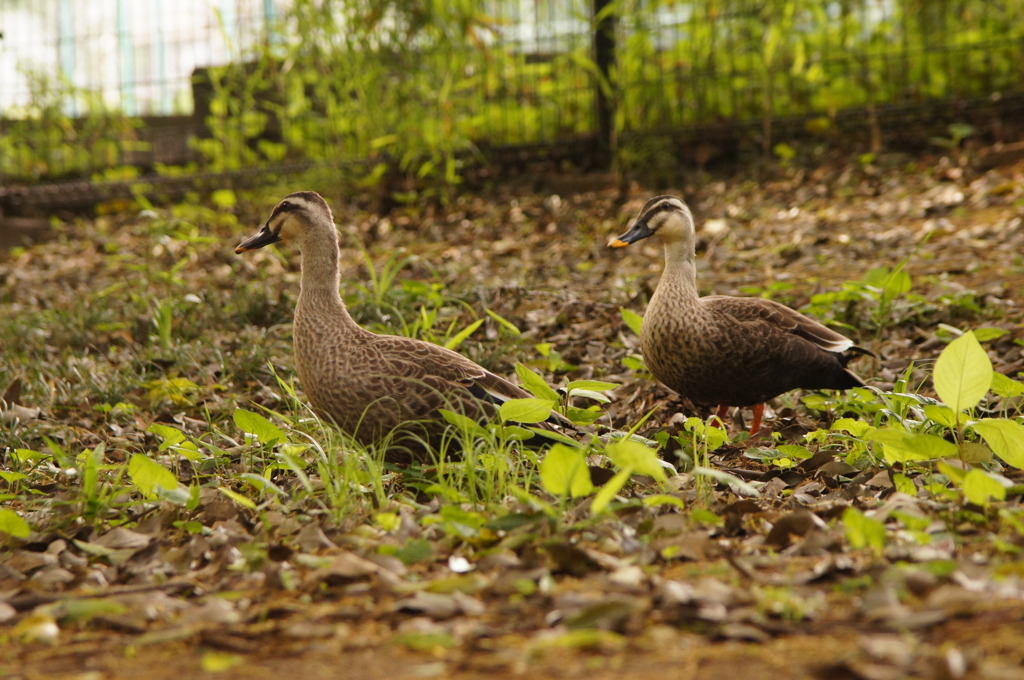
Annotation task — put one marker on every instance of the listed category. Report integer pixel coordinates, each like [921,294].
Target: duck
[721,350]
[375,387]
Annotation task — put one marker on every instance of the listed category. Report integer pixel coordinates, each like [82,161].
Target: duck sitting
[371,386]
[722,350]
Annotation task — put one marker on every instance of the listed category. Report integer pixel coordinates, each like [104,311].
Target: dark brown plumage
[372,386]
[721,350]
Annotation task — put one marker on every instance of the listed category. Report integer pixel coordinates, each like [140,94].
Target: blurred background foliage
[410,91]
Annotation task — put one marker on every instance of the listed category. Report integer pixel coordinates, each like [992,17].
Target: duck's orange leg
[721,413]
[758,410]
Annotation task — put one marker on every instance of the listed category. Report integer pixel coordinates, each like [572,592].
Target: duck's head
[296,216]
[664,216]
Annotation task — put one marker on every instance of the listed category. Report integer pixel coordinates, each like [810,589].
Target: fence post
[605,22]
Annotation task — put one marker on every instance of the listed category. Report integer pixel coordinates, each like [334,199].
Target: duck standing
[727,351]
[372,386]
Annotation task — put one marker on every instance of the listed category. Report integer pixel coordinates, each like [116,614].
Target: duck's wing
[426,360]
[782,318]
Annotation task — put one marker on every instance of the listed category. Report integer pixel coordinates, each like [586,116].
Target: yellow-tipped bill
[638,231]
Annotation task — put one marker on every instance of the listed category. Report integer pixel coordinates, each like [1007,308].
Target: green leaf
[416,550]
[258,426]
[535,384]
[175,439]
[85,609]
[504,322]
[1005,437]
[564,472]
[989,333]
[1006,387]
[13,524]
[663,499]
[963,373]
[582,416]
[938,413]
[863,531]
[170,435]
[218,662]
[607,492]
[590,385]
[526,410]
[642,459]
[900,446]
[149,476]
[980,488]
[794,451]
[851,426]
[633,320]
[463,422]
[237,497]
[224,198]
[904,484]
[459,337]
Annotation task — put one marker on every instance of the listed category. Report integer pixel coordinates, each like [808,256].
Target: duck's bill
[638,232]
[262,238]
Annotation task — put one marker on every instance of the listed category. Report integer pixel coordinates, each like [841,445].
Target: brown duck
[721,350]
[371,386]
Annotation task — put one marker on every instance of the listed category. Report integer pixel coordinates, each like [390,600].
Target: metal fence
[84,84]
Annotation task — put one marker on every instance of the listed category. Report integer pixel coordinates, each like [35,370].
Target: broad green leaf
[170,435]
[461,336]
[1005,437]
[175,439]
[663,499]
[941,414]
[713,435]
[564,472]
[582,416]
[590,386]
[632,319]
[1006,387]
[416,550]
[176,390]
[526,410]
[237,497]
[535,384]
[13,524]
[794,451]
[989,333]
[516,433]
[904,484]
[608,491]
[863,531]
[980,488]
[628,453]
[463,422]
[149,476]
[900,446]
[258,426]
[955,473]
[388,521]
[590,394]
[963,373]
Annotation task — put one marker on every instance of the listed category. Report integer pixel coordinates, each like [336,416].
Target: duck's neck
[679,280]
[319,297]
